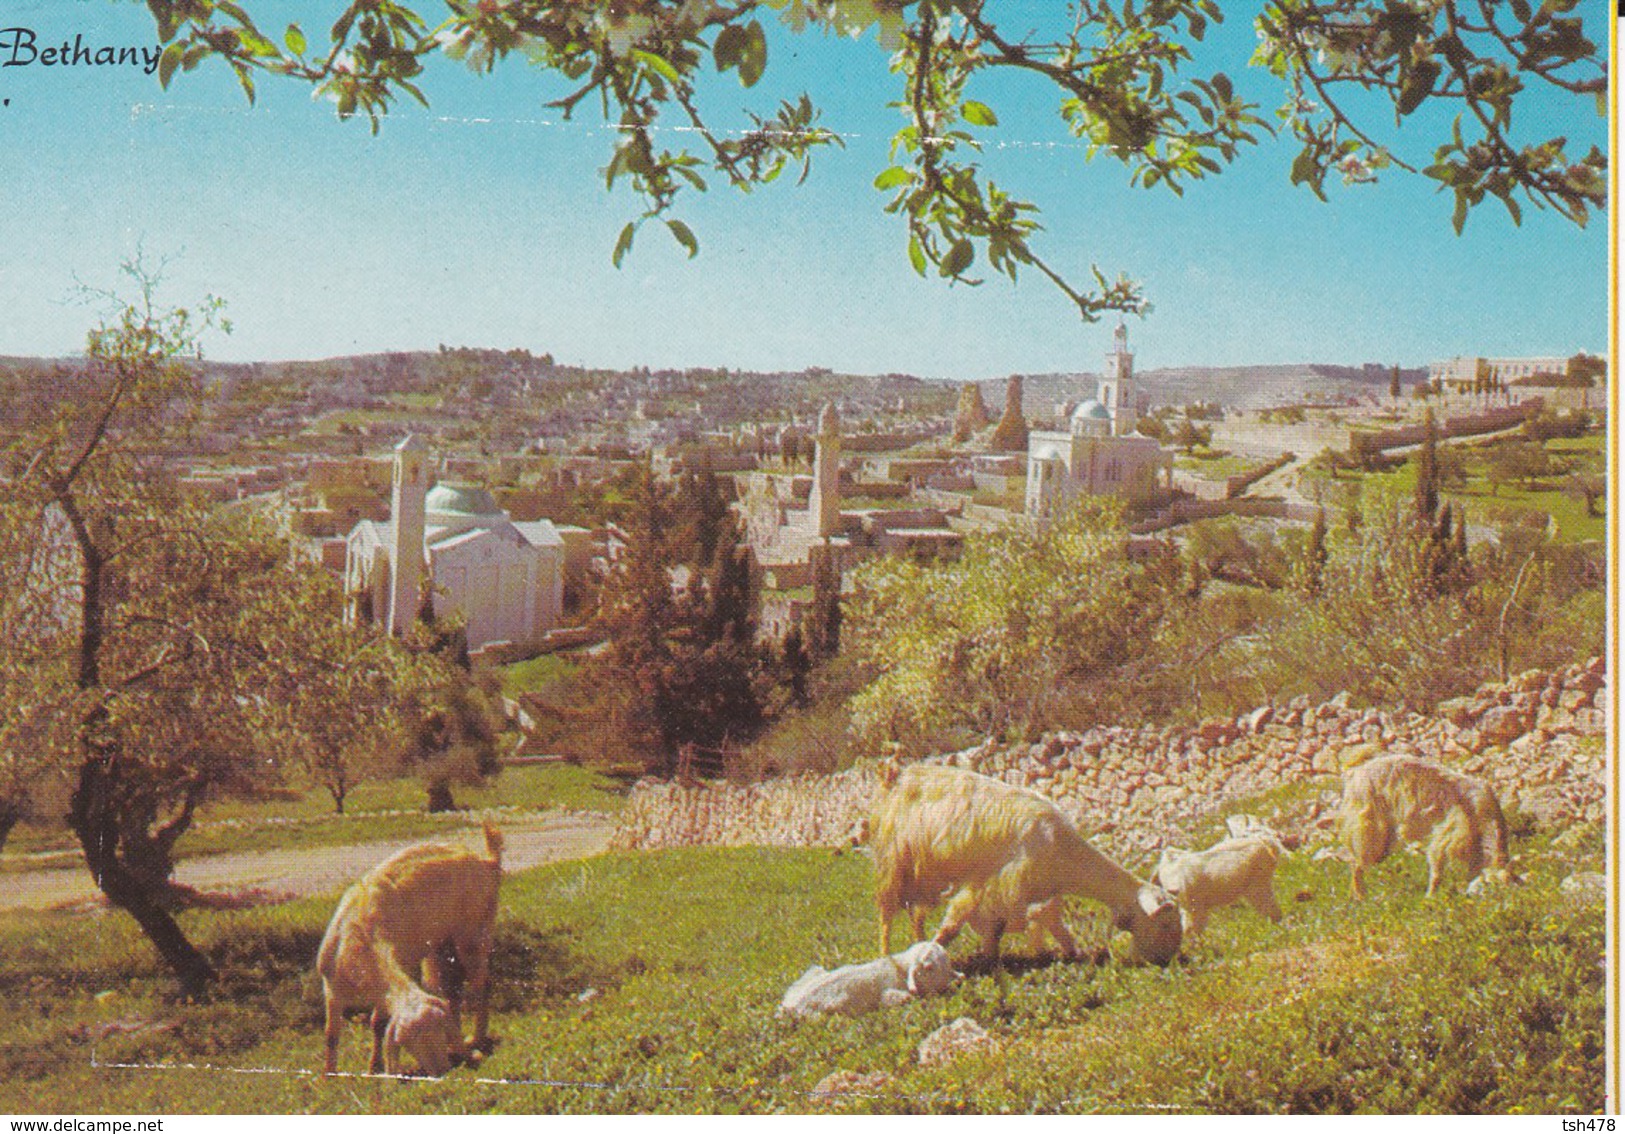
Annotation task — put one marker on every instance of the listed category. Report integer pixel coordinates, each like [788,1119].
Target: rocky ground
[1538,738]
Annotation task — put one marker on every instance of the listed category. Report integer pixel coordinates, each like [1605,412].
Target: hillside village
[520,451]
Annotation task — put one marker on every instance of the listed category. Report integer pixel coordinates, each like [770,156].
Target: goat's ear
[1153,899]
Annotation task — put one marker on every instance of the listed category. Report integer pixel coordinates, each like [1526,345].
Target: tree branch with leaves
[1117,74]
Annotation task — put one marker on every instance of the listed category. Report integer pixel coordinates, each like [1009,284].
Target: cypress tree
[797,665]
[1315,557]
[1427,473]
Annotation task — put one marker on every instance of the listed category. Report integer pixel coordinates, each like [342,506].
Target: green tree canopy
[1120,75]
[161,653]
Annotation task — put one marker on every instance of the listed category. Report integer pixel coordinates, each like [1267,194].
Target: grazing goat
[1235,870]
[857,990]
[428,909]
[1003,857]
[1412,798]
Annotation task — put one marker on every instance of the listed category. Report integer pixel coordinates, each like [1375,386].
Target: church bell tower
[1117,385]
[406,534]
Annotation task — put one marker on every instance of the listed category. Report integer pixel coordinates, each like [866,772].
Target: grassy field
[536,673]
[381,809]
[648,982]
[1485,503]
[1210,465]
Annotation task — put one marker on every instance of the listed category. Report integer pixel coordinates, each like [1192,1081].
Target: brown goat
[428,910]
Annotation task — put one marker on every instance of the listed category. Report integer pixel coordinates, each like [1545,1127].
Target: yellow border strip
[1612,1099]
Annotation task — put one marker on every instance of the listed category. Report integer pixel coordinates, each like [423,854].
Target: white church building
[505,579]
[1100,453]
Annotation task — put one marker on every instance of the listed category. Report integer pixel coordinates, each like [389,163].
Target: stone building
[1100,453]
[506,579]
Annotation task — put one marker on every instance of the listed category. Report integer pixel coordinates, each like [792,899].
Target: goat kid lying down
[856,990]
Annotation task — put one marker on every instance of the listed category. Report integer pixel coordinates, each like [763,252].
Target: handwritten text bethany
[20,47]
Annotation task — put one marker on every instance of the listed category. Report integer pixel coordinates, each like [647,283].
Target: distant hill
[1241,387]
[512,380]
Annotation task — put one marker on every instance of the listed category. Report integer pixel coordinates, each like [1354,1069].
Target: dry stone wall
[1536,738]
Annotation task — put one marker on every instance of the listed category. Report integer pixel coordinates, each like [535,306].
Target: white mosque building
[1100,453]
[505,579]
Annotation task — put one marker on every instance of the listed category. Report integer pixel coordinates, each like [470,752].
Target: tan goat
[1410,798]
[1003,857]
[424,910]
[1235,870]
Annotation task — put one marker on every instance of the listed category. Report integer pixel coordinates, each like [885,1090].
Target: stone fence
[1133,790]
[1186,511]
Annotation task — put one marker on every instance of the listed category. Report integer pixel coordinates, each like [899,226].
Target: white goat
[857,990]
[1235,870]
[417,912]
[1003,856]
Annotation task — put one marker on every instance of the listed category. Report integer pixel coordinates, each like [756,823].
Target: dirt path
[531,841]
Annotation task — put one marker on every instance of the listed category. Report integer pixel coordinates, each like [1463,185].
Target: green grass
[648,982]
[536,673]
[1485,503]
[1214,466]
[383,809]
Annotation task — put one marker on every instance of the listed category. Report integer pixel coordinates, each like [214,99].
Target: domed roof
[1091,410]
[452,499]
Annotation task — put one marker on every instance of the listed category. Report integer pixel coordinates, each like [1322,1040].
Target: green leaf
[979,113]
[916,255]
[246,81]
[658,65]
[959,257]
[295,39]
[1418,86]
[1460,217]
[891,178]
[624,244]
[256,44]
[1303,166]
[729,47]
[168,61]
[685,237]
[754,59]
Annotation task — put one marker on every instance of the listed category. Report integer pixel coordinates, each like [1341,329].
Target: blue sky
[484,221]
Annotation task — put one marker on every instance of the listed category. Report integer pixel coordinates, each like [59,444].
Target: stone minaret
[824,506]
[1117,385]
[406,535]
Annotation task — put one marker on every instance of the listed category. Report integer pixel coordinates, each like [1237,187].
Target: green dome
[460,500]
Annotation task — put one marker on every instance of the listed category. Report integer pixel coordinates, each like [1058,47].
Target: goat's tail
[493,844]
